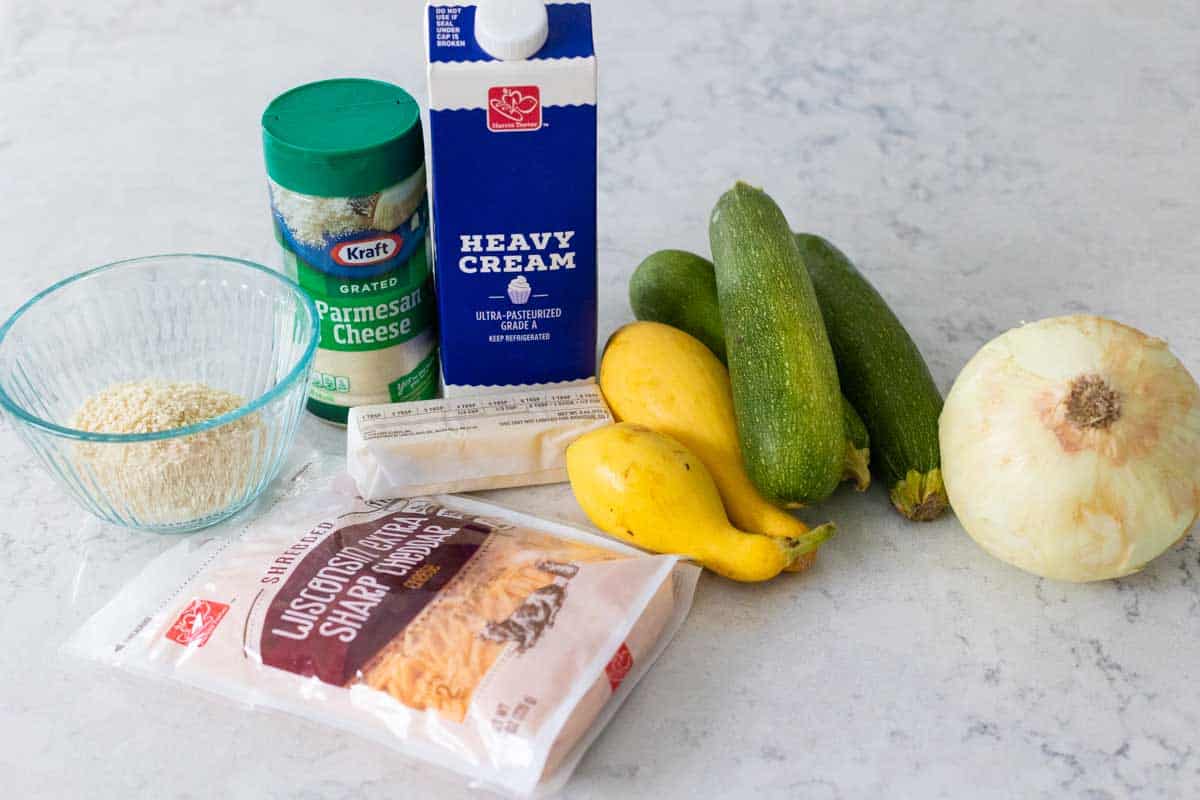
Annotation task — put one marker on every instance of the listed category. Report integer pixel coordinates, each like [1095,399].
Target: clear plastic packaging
[481,639]
[468,444]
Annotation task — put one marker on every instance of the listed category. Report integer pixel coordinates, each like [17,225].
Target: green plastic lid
[344,137]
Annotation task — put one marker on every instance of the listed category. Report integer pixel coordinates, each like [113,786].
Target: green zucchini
[884,377]
[781,367]
[679,289]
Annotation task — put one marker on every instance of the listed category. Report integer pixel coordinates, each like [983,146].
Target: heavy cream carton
[512,130]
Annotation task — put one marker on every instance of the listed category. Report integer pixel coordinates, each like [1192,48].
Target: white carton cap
[511,30]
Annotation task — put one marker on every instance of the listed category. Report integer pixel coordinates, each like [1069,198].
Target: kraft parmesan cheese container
[346,159]
[512,128]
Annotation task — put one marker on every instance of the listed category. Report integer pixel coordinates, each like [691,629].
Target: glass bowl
[222,322]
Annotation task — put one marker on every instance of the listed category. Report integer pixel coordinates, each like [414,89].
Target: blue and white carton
[512,132]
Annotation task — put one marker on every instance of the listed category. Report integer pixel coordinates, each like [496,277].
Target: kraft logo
[197,622]
[367,251]
[514,108]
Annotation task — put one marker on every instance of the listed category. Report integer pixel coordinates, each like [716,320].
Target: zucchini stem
[920,496]
[856,466]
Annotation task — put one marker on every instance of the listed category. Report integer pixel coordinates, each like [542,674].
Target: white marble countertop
[984,162]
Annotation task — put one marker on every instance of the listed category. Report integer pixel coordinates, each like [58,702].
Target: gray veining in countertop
[986,163]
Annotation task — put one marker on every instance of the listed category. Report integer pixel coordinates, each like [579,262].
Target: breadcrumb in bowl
[168,481]
[163,392]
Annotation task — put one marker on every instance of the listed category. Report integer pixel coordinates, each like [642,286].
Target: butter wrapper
[468,444]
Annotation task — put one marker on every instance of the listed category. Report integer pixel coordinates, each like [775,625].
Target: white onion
[1071,448]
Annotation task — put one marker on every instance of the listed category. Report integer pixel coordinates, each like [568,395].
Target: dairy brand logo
[196,623]
[618,667]
[514,108]
[364,252]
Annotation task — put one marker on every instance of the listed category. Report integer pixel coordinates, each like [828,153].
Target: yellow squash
[647,489]
[667,380]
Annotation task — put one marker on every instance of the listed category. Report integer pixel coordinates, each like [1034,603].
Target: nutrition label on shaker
[472,414]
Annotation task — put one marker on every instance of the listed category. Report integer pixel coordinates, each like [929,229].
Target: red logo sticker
[514,108]
[197,622]
[363,252]
[619,666]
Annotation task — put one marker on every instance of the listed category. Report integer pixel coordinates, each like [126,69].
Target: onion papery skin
[1079,486]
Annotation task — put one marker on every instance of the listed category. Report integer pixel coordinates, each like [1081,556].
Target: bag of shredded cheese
[481,639]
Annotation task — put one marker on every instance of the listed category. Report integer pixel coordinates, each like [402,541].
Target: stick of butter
[468,444]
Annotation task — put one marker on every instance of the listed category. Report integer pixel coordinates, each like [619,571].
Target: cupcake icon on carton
[518,290]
